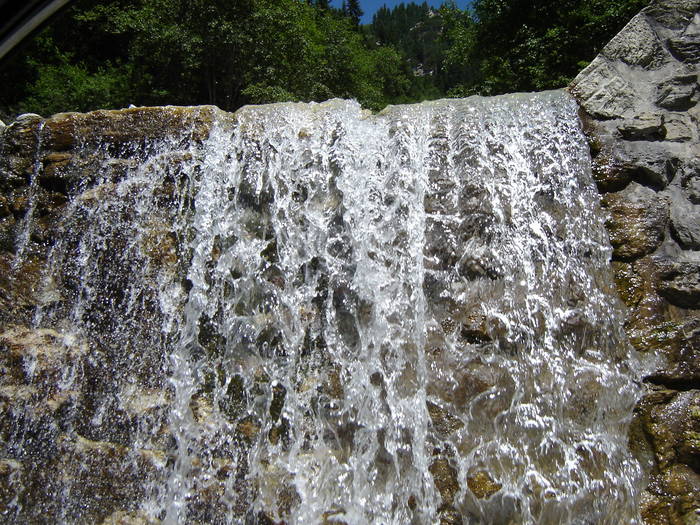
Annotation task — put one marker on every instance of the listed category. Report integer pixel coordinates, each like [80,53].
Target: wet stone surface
[645,161]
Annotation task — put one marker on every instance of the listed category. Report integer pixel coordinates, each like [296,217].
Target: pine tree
[353,11]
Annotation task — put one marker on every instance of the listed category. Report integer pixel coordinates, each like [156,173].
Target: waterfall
[320,315]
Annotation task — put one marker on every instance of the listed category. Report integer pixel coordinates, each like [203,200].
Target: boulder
[65,131]
[673,14]
[690,181]
[685,218]
[637,44]
[637,221]
[647,126]
[649,163]
[679,127]
[686,46]
[680,283]
[678,93]
[603,92]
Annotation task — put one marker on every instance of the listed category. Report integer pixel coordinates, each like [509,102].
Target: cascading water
[322,316]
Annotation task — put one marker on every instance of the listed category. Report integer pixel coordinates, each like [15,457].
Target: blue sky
[370,6]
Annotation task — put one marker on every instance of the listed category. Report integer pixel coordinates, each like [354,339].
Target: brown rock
[637,222]
[128,126]
[445,478]
[249,428]
[123,517]
[443,422]
[481,485]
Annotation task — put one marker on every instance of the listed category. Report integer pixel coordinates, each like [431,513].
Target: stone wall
[639,103]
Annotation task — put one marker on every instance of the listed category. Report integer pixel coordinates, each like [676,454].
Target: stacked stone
[639,103]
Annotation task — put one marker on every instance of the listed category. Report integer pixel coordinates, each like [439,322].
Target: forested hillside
[101,54]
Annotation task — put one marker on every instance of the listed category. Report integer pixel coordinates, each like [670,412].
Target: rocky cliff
[639,101]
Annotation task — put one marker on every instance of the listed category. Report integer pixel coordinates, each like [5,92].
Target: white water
[315,307]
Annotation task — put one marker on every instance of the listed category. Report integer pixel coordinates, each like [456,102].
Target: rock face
[639,101]
[51,379]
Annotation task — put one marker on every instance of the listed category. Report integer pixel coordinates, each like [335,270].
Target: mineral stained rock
[639,102]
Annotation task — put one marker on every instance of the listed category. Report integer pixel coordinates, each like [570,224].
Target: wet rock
[333,517]
[104,476]
[445,479]
[19,146]
[449,515]
[39,356]
[678,93]
[683,484]
[65,131]
[482,485]
[444,422]
[680,283]
[609,175]
[645,127]
[689,450]
[655,509]
[679,343]
[248,428]
[19,288]
[160,246]
[637,221]
[10,484]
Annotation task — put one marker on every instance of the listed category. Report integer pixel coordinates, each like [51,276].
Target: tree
[353,11]
[525,45]
[229,53]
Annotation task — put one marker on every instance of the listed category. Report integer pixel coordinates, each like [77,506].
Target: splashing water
[26,229]
[322,316]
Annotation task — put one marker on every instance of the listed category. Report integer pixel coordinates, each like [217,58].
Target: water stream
[322,316]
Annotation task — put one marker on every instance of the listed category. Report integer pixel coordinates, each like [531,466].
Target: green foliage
[230,53]
[353,11]
[71,87]
[525,45]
